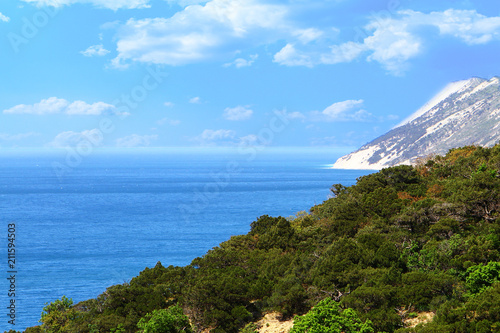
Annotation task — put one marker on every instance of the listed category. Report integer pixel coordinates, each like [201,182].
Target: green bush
[327,316]
[171,320]
[481,277]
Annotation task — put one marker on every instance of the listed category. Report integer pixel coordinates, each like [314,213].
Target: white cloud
[119,63]
[50,105]
[16,137]
[308,35]
[195,100]
[136,140]
[346,52]
[54,105]
[468,25]
[290,56]
[249,140]
[92,137]
[213,137]
[350,110]
[238,113]
[4,18]
[185,3]
[295,115]
[168,104]
[111,4]
[110,25]
[240,62]
[340,108]
[199,33]
[391,44]
[394,40]
[166,120]
[95,109]
[290,115]
[95,50]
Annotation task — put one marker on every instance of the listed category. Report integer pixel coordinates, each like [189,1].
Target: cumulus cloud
[308,35]
[346,52]
[136,140]
[200,32]
[213,137]
[195,100]
[95,50]
[467,25]
[82,108]
[338,109]
[350,110]
[238,113]
[4,18]
[91,137]
[54,105]
[290,56]
[45,106]
[394,40]
[240,62]
[110,4]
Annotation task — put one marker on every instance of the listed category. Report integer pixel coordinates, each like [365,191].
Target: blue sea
[85,223]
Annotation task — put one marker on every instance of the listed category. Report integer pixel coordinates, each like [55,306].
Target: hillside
[464,113]
[402,246]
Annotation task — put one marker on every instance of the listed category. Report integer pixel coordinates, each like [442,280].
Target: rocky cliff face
[464,113]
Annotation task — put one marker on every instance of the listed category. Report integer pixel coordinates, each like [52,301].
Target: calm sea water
[108,216]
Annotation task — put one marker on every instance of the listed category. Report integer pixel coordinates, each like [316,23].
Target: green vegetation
[401,241]
[327,316]
[170,320]
[58,315]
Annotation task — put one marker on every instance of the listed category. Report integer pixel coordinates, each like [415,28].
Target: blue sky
[188,73]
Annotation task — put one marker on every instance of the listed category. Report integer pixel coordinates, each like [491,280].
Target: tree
[171,320]
[58,315]
[327,316]
[481,277]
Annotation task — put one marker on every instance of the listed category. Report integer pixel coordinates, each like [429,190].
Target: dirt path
[271,324]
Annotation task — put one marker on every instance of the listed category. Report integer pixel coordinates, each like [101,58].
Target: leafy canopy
[171,320]
[327,317]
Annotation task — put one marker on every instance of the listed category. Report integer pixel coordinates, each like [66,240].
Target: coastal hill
[406,249]
[464,113]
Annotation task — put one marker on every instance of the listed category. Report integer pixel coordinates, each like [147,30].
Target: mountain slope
[464,113]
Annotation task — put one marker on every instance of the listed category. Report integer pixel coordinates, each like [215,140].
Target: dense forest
[401,242]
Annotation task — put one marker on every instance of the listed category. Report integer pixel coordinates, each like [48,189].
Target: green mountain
[402,242]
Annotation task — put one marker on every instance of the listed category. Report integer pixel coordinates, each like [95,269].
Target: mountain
[464,113]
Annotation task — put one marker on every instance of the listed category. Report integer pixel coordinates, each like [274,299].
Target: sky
[331,74]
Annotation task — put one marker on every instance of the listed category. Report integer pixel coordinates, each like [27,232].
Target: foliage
[481,277]
[327,316]
[58,315]
[249,328]
[171,320]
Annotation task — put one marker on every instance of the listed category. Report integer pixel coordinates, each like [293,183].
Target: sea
[80,223]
